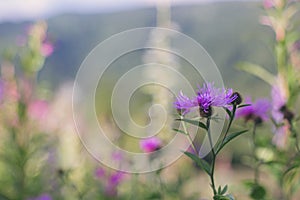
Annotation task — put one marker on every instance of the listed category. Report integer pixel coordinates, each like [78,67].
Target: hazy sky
[16,10]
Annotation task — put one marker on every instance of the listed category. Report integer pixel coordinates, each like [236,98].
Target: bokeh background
[41,154]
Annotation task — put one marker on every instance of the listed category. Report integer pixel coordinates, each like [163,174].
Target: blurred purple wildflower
[257,111]
[184,104]
[209,96]
[113,182]
[279,99]
[100,172]
[117,156]
[150,144]
[281,135]
[42,197]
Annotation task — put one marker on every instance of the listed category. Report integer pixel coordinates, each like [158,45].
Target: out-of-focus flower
[113,182]
[184,104]
[42,197]
[209,96]
[279,95]
[38,109]
[280,113]
[150,144]
[1,89]
[281,135]
[117,156]
[47,49]
[100,172]
[257,111]
[110,181]
[268,4]
[280,32]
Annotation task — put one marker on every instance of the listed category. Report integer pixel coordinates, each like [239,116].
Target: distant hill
[229,31]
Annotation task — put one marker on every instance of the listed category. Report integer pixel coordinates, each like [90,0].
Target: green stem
[296,137]
[213,158]
[188,135]
[256,169]
[230,122]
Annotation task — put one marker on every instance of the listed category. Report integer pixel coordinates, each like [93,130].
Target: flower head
[150,144]
[184,104]
[257,111]
[209,96]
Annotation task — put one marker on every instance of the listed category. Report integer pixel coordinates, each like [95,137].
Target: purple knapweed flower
[150,144]
[257,111]
[209,96]
[184,104]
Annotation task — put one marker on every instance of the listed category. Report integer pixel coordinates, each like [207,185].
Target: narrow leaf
[194,122]
[224,190]
[201,163]
[179,131]
[243,105]
[228,112]
[219,190]
[257,71]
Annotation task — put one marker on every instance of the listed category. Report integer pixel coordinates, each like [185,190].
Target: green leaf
[228,138]
[243,105]
[224,190]
[180,131]
[257,71]
[194,122]
[200,162]
[219,190]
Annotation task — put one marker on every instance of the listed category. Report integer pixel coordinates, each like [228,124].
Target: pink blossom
[281,135]
[268,4]
[38,109]
[150,144]
[47,49]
